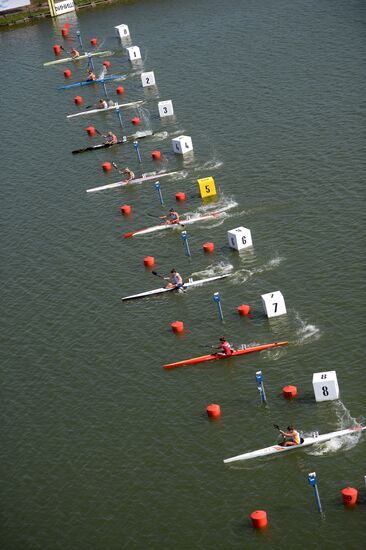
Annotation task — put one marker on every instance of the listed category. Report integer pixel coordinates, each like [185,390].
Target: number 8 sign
[325,386]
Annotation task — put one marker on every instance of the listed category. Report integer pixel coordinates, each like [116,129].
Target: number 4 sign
[274,304]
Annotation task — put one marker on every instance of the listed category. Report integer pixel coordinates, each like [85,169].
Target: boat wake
[242,275]
[220,268]
[344,443]
[306,333]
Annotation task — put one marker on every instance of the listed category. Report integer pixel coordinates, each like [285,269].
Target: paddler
[102,104]
[74,53]
[226,349]
[292,437]
[175,279]
[172,217]
[111,139]
[129,173]
[91,75]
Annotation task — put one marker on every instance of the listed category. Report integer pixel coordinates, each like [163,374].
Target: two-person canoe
[88,82]
[215,357]
[125,139]
[182,223]
[278,449]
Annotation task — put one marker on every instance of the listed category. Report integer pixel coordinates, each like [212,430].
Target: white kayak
[83,56]
[182,223]
[110,108]
[278,449]
[185,286]
[145,177]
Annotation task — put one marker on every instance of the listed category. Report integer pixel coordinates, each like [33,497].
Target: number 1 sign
[274,304]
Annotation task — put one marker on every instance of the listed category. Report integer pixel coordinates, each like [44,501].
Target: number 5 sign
[207,187]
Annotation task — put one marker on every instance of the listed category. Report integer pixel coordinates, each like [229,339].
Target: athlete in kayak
[111,138]
[225,347]
[130,175]
[74,53]
[102,104]
[292,437]
[91,75]
[175,279]
[172,217]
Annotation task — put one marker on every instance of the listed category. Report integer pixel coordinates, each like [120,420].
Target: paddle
[157,275]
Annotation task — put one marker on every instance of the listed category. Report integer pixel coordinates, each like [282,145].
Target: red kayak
[214,356]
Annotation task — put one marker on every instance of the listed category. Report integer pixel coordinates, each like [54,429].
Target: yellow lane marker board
[207,187]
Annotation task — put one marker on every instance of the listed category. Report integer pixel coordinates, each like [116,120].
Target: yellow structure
[51,5]
[207,187]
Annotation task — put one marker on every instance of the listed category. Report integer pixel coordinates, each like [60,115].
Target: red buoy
[65,32]
[120,90]
[156,155]
[126,209]
[289,392]
[107,166]
[56,49]
[107,64]
[244,309]
[136,120]
[177,326]
[91,131]
[67,26]
[67,73]
[180,196]
[149,261]
[259,519]
[349,495]
[93,41]
[213,410]
[78,100]
[208,247]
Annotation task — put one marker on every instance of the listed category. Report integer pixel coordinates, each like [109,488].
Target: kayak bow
[180,225]
[275,449]
[214,356]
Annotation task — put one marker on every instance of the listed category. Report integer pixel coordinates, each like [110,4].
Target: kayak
[111,108]
[185,286]
[87,82]
[83,56]
[180,225]
[214,356]
[125,139]
[276,449]
[145,177]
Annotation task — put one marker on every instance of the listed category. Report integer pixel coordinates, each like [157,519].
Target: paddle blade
[276,426]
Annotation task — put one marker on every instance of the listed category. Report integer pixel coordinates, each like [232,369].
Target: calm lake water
[101,447]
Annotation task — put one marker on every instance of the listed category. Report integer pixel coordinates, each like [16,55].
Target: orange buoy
[259,519]
[244,309]
[120,90]
[78,100]
[126,209]
[67,26]
[57,49]
[93,41]
[349,495]
[149,261]
[208,247]
[67,73]
[213,410]
[65,32]
[107,166]
[289,392]
[156,155]
[180,196]
[91,131]
[107,64]
[177,326]
[136,120]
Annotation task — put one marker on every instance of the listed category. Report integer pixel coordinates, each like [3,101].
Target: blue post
[119,116]
[259,380]
[136,146]
[217,299]
[91,63]
[312,481]
[79,38]
[185,242]
[157,187]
